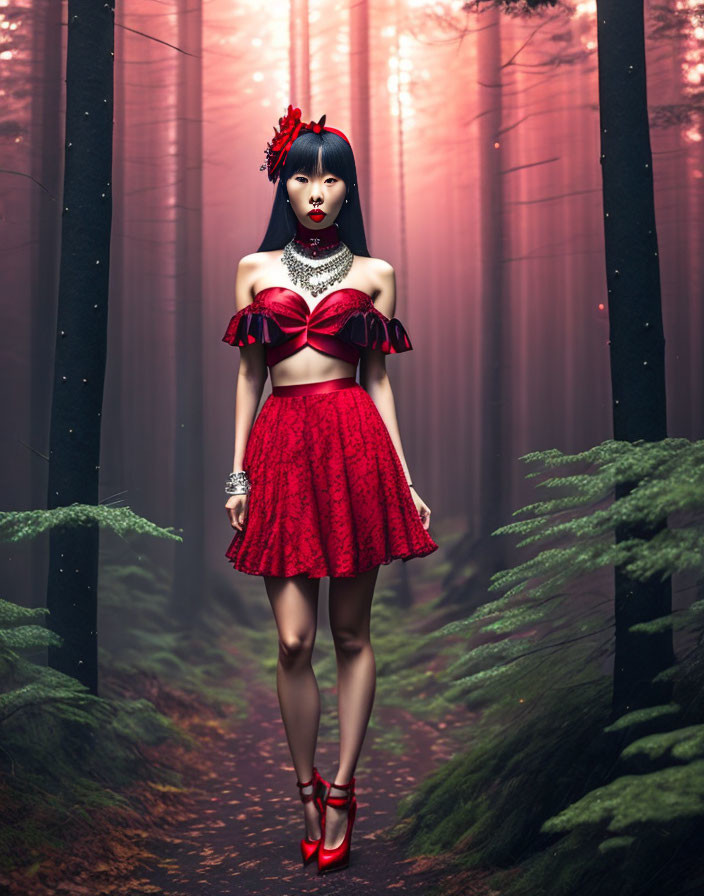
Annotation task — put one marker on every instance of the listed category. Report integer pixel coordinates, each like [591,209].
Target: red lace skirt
[328,493]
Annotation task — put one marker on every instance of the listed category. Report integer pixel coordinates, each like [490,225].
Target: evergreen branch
[665,477]
[631,801]
[644,714]
[19,525]
[11,614]
[477,653]
[27,637]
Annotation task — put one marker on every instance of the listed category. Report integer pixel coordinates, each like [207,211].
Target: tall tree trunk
[299,58]
[495,414]
[113,449]
[404,592]
[81,337]
[46,212]
[683,240]
[359,101]
[189,471]
[637,343]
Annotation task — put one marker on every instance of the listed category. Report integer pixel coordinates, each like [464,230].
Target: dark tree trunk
[495,412]
[359,103]
[188,465]
[81,335]
[46,212]
[637,343]
[114,474]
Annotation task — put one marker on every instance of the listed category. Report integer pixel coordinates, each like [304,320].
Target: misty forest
[534,172]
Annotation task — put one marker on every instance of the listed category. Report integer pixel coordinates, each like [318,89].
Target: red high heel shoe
[338,857]
[320,787]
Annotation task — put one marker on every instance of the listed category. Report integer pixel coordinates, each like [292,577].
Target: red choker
[316,242]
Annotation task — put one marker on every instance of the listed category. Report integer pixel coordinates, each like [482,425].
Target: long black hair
[338,159]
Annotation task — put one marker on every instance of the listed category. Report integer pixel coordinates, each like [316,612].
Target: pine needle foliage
[582,519]
[546,781]
[64,750]
[20,525]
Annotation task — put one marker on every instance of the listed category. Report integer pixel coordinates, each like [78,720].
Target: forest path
[243,836]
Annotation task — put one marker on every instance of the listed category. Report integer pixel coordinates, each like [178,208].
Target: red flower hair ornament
[290,126]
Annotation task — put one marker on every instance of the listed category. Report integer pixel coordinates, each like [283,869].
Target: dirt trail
[248,819]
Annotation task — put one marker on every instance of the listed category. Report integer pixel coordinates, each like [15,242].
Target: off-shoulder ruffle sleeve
[253,324]
[372,329]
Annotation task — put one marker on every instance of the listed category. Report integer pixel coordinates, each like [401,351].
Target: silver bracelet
[238,483]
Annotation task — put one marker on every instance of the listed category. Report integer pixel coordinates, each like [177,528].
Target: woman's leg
[350,611]
[294,601]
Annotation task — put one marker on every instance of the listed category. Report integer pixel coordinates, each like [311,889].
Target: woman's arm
[373,376]
[252,374]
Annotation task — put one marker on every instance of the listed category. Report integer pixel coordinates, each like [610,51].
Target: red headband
[290,127]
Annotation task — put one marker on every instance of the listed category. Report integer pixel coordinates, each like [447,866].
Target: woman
[320,485]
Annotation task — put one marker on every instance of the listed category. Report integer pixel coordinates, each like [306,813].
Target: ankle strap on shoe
[307,797]
[340,802]
[316,782]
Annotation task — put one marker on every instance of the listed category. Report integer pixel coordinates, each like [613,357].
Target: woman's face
[322,191]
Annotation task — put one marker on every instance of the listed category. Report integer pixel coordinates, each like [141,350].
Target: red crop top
[342,323]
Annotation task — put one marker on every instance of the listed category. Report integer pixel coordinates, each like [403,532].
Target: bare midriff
[309,365]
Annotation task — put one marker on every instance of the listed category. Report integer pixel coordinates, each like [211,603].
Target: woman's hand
[237,511]
[422,508]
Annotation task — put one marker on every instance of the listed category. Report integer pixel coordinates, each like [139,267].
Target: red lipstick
[317,215]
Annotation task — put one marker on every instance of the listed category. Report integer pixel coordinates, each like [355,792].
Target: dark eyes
[333,179]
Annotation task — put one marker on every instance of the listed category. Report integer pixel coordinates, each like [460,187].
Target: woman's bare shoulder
[249,269]
[254,265]
[373,265]
[381,267]
[255,260]
[380,277]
